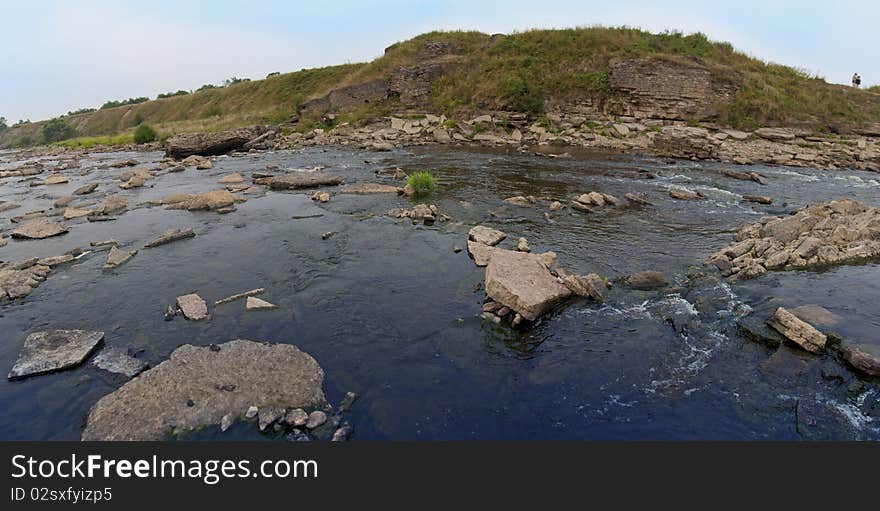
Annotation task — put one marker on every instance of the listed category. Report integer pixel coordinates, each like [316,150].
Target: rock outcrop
[192,389]
[830,233]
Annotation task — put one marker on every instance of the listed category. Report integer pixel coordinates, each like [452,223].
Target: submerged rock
[255,304]
[193,307]
[801,333]
[38,229]
[170,236]
[153,405]
[371,188]
[54,350]
[117,360]
[117,257]
[646,280]
[523,283]
[298,180]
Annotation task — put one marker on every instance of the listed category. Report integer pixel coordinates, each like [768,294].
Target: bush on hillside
[57,130]
[144,134]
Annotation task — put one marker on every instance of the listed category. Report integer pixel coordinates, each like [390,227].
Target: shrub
[422,183]
[144,134]
[57,130]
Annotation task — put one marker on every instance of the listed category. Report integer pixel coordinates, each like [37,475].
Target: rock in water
[522,245]
[867,362]
[213,200]
[193,306]
[231,179]
[117,257]
[169,236]
[486,235]
[316,418]
[801,333]
[86,189]
[55,179]
[686,195]
[208,144]
[522,282]
[50,351]
[296,417]
[38,229]
[479,252]
[154,404]
[117,360]
[371,188]
[255,304]
[297,180]
[646,280]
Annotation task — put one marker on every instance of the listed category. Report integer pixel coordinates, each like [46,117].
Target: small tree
[57,130]
[144,134]
[3,125]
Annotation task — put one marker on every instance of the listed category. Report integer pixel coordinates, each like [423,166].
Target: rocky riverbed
[528,297]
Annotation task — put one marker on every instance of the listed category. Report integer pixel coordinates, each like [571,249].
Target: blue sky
[58,56]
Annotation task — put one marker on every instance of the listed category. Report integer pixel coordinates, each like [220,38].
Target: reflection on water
[392,313]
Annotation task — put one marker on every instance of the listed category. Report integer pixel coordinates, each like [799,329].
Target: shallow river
[392,313]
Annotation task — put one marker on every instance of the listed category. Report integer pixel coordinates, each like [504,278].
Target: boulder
[486,235]
[801,333]
[170,236]
[38,229]
[208,144]
[54,350]
[193,307]
[71,213]
[112,204]
[298,180]
[523,283]
[117,257]
[155,404]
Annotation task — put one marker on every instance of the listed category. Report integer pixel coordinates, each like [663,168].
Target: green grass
[90,142]
[422,183]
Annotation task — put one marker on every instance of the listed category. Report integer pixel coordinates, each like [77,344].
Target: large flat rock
[38,229]
[192,389]
[522,282]
[298,180]
[53,350]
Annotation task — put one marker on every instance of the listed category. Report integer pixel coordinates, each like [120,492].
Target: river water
[392,313]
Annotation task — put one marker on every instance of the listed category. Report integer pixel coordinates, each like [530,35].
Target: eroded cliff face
[664,89]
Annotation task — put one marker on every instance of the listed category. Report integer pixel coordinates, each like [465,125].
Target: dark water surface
[391,312]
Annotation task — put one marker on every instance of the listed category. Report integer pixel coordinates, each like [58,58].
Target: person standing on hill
[856,80]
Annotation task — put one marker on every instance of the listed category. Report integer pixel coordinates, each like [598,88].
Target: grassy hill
[524,72]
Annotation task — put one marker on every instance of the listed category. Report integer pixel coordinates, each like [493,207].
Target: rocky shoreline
[550,136]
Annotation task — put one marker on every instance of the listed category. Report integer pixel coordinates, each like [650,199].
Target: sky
[57,56]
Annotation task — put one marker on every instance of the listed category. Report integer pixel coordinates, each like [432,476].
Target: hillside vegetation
[527,72]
